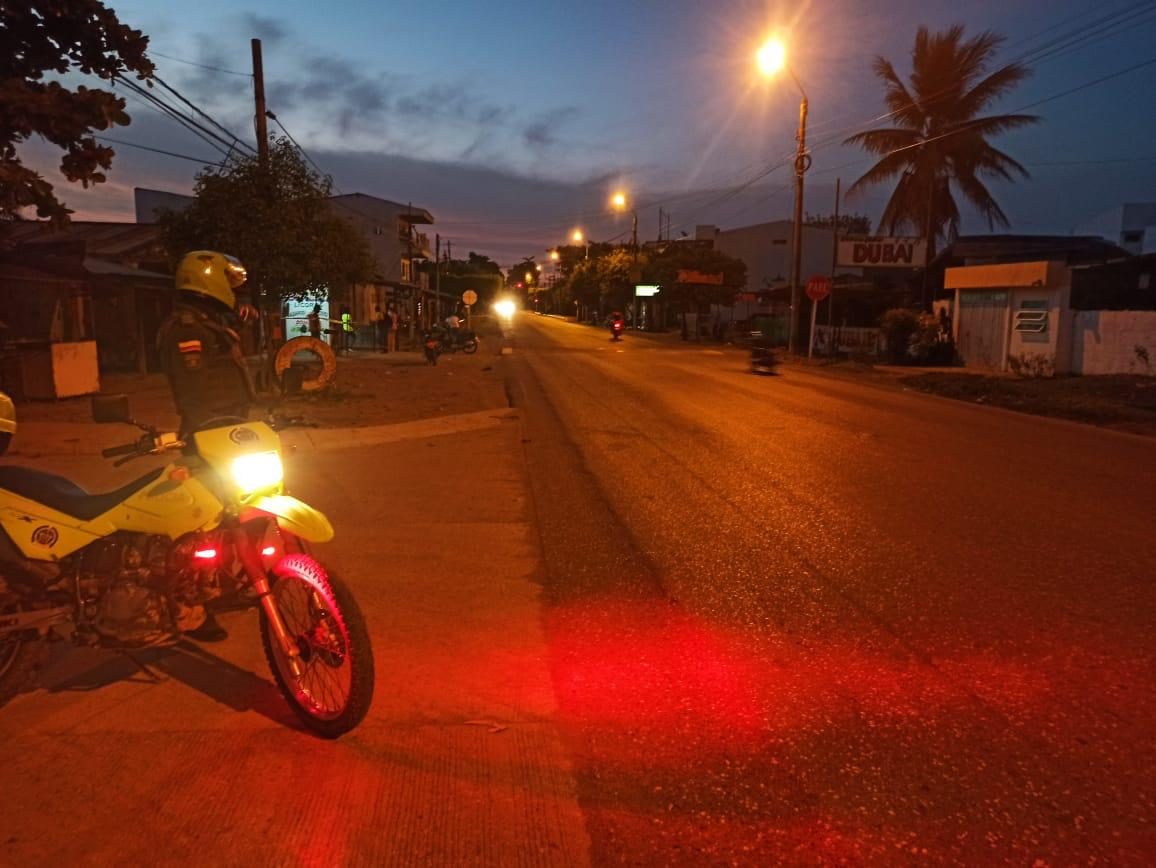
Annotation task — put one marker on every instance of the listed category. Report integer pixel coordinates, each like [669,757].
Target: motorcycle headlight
[258,471]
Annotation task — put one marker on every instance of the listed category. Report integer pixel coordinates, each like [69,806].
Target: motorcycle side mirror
[111,409]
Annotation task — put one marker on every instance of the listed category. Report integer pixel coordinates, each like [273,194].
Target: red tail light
[205,554]
[269,551]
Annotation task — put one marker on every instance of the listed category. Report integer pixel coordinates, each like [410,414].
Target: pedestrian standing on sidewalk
[346,329]
[380,330]
[314,319]
[394,328]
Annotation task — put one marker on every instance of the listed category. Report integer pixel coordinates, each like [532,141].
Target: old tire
[307,344]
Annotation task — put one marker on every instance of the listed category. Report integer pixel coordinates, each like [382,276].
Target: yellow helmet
[211,274]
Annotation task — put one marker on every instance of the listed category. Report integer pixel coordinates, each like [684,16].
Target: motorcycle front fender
[293,516]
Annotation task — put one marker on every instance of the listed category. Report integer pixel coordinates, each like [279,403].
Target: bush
[898,325]
[916,338]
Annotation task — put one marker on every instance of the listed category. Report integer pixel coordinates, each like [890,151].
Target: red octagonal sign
[818,287]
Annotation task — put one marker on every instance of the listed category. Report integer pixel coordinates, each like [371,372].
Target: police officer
[199,349]
[201,354]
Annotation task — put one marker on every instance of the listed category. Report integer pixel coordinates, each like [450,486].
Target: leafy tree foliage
[938,141]
[474,264]
[664,267]
[518,271]
[278,221]
[42,39]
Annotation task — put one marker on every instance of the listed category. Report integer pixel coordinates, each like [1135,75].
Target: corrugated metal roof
[108,240]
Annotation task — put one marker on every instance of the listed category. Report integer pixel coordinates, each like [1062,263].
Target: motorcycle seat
[66,496]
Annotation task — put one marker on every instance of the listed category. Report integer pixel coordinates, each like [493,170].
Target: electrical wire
[223,145]
[113,141]
[200,65]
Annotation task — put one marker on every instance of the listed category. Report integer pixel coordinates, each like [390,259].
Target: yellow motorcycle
[134,568]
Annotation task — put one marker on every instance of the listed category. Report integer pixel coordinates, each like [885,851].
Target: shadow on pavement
[191,665]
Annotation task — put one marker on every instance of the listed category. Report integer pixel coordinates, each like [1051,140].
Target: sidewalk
[460,761]
[371,389]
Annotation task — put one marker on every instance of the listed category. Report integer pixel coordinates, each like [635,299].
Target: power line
[202,113]
[155,150]
[201,65]
[223,145]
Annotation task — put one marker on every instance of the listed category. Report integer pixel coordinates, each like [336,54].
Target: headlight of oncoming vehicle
[258,471]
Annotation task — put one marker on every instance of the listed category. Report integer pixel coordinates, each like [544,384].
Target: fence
[849,339]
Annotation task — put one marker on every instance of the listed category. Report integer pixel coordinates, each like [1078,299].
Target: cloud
[264,28]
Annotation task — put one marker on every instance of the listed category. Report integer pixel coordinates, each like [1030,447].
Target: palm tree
[937,140]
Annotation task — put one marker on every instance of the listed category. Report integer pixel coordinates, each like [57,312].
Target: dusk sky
[512,121]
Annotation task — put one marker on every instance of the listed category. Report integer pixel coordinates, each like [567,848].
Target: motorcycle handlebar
[114,451]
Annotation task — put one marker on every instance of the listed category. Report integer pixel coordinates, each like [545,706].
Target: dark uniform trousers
[206,369]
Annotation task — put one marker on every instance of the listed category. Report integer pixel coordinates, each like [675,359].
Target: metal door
[982,322]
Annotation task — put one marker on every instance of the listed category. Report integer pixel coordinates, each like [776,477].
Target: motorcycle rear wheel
[19,661]
[334,688]
[470,347]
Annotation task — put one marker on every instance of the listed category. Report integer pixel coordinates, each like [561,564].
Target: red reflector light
[205,554]
[269,551]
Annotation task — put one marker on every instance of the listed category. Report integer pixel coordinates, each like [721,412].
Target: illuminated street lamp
[772,59]
[578,237]
[618,203]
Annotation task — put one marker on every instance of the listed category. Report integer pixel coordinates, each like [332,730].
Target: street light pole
[772,59]
[802,161]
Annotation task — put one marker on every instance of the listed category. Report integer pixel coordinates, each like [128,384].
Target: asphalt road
[797,619]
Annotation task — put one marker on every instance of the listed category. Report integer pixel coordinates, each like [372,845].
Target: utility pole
[834,266]
[260,127]
[261,130]
[797,245]
[437,277]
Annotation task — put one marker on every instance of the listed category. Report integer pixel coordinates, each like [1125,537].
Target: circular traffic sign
[469,297]
[818,287]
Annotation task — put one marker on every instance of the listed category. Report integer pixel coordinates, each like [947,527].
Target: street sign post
[469,299]
[818,288]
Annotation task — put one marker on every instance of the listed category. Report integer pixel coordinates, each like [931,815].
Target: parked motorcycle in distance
[134,568]
[439,340]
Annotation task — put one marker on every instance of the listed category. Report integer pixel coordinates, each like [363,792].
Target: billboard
[882,252]
[688,276]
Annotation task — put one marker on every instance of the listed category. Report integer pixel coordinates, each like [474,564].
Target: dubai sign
[883,252]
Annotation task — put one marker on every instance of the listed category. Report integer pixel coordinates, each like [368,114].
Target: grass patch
[1118,401]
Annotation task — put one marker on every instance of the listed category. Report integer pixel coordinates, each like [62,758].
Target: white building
[1132,226]
[766,249]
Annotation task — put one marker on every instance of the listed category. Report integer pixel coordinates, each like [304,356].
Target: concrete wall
[1113,342]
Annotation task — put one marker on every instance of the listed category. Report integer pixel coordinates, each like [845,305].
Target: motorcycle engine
[126,590]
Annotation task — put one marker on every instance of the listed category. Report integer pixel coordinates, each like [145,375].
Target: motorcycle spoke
[325,678]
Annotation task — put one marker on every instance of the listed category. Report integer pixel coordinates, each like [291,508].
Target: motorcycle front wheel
[330,685]
[470,347]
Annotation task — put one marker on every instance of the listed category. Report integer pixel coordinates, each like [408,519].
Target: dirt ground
[1122,402]
[371,389]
